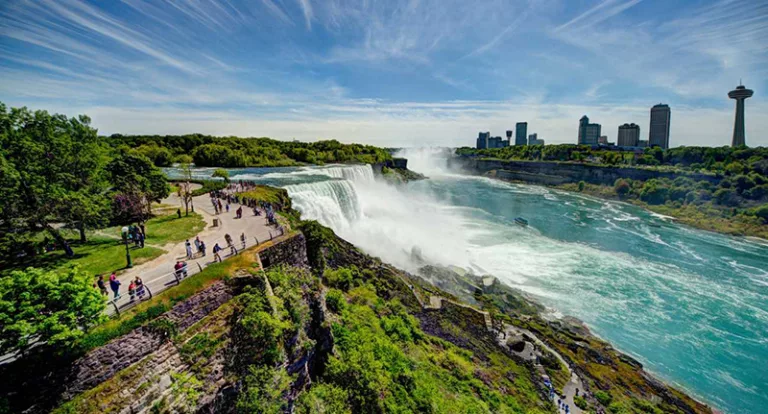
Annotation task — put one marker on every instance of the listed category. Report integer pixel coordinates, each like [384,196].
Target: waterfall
[355,173]
[333,203]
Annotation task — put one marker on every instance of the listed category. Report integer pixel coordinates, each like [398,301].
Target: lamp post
[124,232]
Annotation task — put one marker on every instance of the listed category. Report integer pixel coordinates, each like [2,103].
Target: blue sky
[390,72]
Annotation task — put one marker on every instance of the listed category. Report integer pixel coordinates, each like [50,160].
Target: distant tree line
[704,159]
[210,151]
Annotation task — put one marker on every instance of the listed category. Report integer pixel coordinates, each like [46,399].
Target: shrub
[762,212]
[581,185]
[580,402]
[335,300]
[622,187]
[603,397]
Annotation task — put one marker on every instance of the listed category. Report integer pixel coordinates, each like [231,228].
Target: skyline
[388,73]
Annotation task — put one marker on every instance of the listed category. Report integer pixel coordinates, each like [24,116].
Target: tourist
[242,239]
[228,239]
[141,239]
[180,269]
[114,284]
[189,249]
[132,291]
[178,212]
[139,287]
[101,285]
[202,248]
[227,206]
[216,250]
[220,206]
[197,244]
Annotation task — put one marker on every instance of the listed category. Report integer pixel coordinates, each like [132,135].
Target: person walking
[189,249]
[197,244]
[216,255]
[240,212]
[102,286]
[114,284]
[202,248]
[139,287]
[141,239]
[132,291]
[227,206]
[242,239]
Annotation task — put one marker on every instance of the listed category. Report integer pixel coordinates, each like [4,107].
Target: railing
[152,287]
[125,301]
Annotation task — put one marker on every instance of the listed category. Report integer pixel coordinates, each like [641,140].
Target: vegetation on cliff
[738,205]
[699,159]
[400,175]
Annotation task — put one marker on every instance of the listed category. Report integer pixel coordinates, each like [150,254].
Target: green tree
[47,162]
[185,188]
[762,212]
[265,391]
[221,173]
[54,307]
[137,183]
[622,187]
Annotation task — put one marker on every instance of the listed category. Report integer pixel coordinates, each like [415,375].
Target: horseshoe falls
[691,305]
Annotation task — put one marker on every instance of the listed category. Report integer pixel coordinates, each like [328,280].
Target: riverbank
[690,215]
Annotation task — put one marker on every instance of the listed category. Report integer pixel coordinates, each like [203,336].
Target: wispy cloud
[306,8]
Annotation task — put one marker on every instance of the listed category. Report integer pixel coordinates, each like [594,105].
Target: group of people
[135,233]
[234,198]
[199,248]
[135,289]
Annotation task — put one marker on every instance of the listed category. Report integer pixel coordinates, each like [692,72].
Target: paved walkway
[157,274]
[569,390]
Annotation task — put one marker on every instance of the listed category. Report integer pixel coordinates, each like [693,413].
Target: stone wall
[292,251]
[103,363]
[545,172]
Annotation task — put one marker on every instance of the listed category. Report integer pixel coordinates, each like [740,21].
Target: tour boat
[521,221]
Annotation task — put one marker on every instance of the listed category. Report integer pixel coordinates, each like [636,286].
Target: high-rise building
[603,140]
[509,135]
[658,132]
[495,142]
[521,131]
[629,135]
[482,140]
[740,94]
[533,139]
[588,133]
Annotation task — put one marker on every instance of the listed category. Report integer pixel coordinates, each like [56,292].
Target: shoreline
[688,222]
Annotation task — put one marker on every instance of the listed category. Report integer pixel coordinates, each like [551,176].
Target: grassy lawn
[168,229]
[104,252]
[98,255]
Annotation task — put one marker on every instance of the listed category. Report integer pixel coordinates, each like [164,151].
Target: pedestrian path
[570,388]
[158,274]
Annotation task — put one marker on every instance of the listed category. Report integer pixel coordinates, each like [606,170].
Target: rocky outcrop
[291,252]
[554,173]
